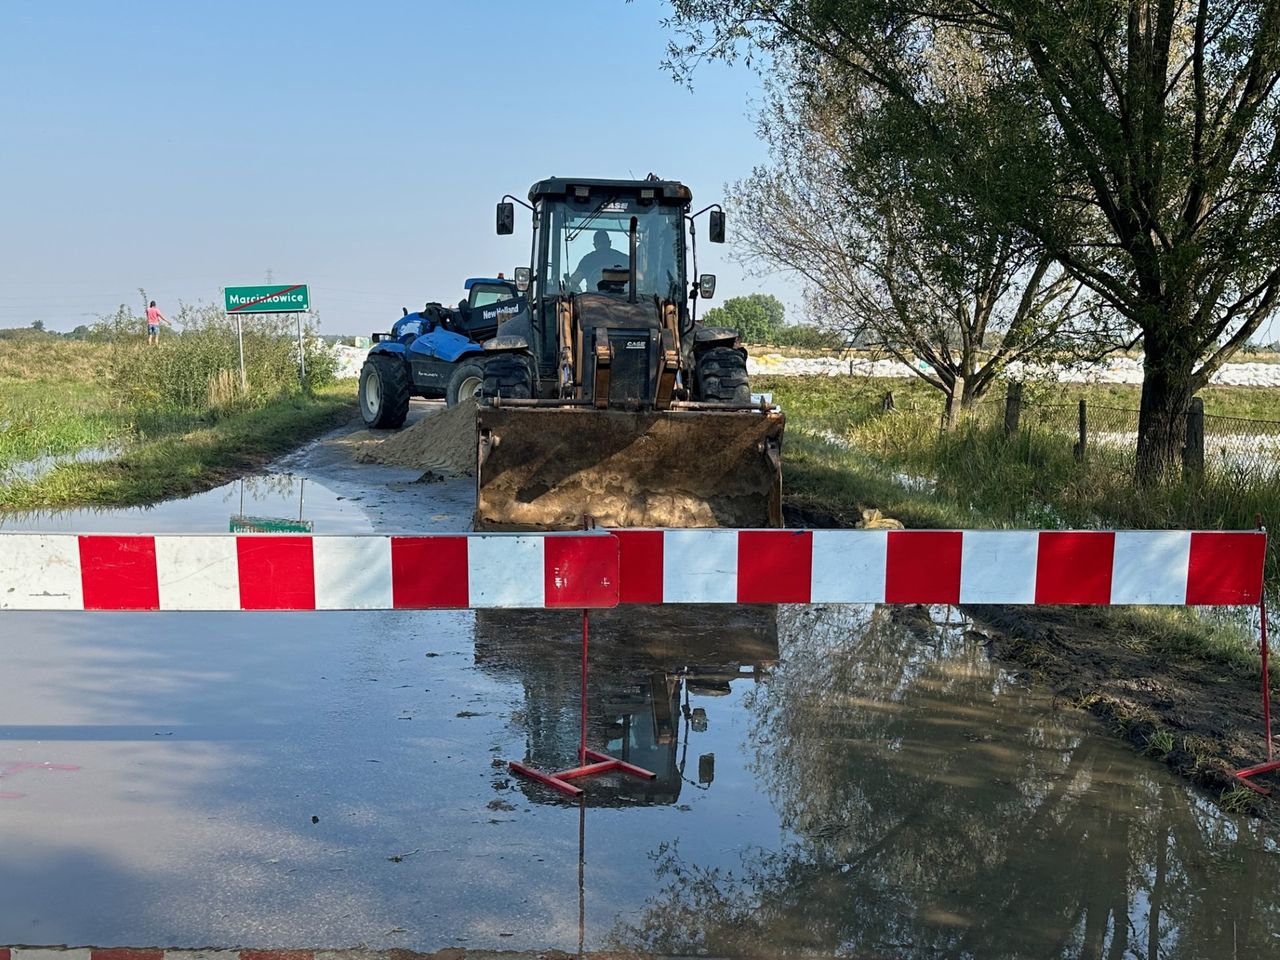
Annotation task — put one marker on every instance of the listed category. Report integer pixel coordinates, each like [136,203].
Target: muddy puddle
[830,780]
[281,497]
[276,502]
[28,470]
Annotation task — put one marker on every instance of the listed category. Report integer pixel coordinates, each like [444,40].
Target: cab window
[482,294]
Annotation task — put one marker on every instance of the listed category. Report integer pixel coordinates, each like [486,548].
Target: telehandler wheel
[384,393]
[722,376]
[507,375]
[465,382]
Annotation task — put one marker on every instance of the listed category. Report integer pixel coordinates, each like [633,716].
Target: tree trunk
[1167,389]
[975,388]
[955,404]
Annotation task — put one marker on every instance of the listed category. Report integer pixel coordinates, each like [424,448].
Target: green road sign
[273,298]
[241,524]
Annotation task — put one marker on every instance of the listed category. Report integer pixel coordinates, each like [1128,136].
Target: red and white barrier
[284,572]
[941,566]
[601,569]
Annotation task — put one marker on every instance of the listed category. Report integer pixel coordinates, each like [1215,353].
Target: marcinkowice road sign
[272,298]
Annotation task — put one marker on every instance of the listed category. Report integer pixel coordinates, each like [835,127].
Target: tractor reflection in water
[648,668]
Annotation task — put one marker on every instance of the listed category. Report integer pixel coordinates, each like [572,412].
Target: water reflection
[655,676]
[289,500]
[934,808]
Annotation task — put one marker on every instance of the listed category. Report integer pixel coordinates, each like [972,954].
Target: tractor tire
[722,376]
[507,375]
[384,393]
[465,382]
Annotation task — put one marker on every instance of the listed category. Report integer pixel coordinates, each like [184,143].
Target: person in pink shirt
[154,319]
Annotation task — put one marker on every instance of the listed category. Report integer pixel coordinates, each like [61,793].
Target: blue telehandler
[436,352]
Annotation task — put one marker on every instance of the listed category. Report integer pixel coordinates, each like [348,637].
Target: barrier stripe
[602,569]
[640,565]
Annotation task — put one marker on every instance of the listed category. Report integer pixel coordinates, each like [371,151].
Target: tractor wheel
[384,393]
[465,382]
[507,375]
[722,376]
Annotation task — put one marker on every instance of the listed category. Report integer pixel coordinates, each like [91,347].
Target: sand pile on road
[444,441]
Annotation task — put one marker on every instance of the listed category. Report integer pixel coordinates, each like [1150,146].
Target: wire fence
[1228,448]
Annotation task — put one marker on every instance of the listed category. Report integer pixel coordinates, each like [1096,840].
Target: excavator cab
[603,395]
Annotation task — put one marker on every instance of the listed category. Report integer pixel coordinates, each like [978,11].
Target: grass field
[186,461]
[845,452]
[57,398]
[858,398]
[52,402]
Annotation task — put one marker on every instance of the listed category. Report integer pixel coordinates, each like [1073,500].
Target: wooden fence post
[1012,407]
[1193,451]
[886,402]
[1082,443]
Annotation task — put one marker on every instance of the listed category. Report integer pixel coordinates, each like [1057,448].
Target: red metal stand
[601,762]
[1271,764]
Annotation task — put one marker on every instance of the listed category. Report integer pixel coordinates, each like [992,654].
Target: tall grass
[184,461]
[50,419]
[49,402]
[196,370]
[59,396]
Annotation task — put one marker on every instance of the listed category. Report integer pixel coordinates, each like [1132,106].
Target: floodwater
[850,781]
[38,467]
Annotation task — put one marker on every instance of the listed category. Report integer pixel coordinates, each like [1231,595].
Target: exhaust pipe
[632,280]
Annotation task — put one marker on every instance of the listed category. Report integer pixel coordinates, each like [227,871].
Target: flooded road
[851,781]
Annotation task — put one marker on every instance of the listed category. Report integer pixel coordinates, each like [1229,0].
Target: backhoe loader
[603,397]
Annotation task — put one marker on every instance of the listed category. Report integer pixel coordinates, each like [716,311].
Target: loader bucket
[545,468]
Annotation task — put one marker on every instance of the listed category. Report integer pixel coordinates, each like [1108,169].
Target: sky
[356,147]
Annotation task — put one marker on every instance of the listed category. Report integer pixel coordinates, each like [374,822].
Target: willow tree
[888,250]
[1160,133]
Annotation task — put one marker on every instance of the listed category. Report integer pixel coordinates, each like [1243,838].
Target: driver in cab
[592,266]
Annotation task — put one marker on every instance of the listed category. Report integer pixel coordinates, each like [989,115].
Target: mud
[547,467]
[1104,661]
[443,441]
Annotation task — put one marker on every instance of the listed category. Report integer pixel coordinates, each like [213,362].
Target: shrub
[196,369]
[804,336]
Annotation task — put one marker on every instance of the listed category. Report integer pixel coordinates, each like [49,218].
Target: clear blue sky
[356,147]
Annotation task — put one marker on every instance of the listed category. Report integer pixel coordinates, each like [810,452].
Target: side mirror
[715,227]
[506,218]
[523,276]
[707,286]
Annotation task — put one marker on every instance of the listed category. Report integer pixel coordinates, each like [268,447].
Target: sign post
[302,354]
[292,298]
[244,383]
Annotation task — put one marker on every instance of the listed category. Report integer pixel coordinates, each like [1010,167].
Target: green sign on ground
[272,298]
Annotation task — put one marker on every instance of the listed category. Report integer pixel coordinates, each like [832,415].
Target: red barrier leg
[601,762]
[1271,764]
[582,728]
